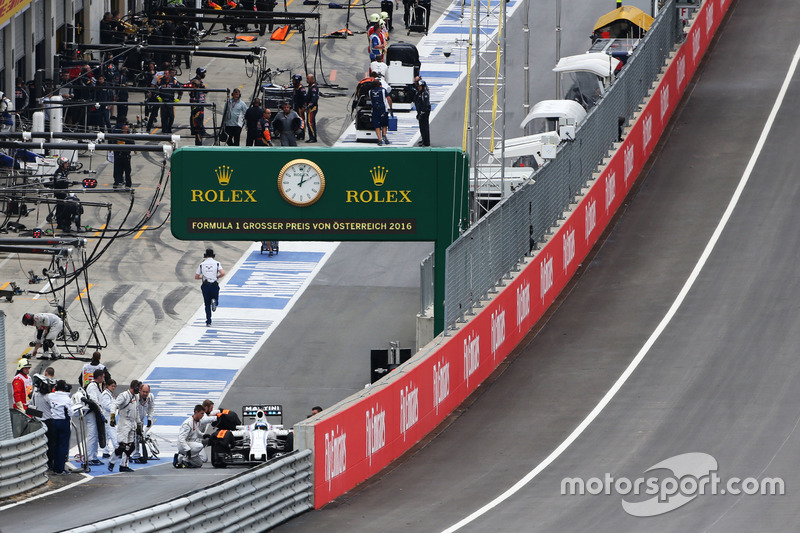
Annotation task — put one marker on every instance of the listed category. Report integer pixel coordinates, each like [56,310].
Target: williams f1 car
[251,444]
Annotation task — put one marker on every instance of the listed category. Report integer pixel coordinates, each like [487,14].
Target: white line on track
[84,479]
[664,321]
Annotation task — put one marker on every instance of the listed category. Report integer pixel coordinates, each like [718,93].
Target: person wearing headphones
[422,103]
[48,327]
[311,103]
[210,271]
[198,113]
[60,183]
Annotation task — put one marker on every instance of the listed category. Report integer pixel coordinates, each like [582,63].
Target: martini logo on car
[523,303]
[611,186]
[376,430]
[472,355]
[409,408]
[629,156]
[441,383]
[498,329]
[568,245]
[545,276]
[591,218]
[335,454]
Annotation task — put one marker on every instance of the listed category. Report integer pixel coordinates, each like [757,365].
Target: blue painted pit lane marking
[264,282]
[97,471]
[461,30]
[203,361]
[429,74]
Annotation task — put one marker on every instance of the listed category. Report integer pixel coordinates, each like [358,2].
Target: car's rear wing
[268,410]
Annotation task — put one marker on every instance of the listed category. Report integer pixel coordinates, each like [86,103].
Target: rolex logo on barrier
[224,174]
[378,175]
[224,196]
[378,196]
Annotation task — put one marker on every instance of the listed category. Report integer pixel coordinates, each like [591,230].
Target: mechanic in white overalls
[191,453]
[147,408]
[48,327]
[95,394]
[126,415]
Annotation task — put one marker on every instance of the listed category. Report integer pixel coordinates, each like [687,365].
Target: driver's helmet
[63,161]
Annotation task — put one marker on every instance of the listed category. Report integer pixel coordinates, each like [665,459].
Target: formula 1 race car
[252,444]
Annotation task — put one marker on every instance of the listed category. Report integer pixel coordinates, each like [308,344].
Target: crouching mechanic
[191,453]
[48,327]
[126,414]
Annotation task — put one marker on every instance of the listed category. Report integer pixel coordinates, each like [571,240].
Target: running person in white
[210,271]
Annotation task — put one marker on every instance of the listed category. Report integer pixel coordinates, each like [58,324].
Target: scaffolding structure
[484,135]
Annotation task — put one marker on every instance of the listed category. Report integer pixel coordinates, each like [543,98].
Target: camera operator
[128,412]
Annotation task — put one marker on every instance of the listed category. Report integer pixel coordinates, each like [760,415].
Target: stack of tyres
[222,443]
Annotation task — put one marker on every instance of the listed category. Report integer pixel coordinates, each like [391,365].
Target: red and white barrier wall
[359,436]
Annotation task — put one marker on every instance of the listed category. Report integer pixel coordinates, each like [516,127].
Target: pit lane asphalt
[341,286]
[145,284]
[722,378]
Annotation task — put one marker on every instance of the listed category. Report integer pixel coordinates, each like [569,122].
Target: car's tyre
[217,456]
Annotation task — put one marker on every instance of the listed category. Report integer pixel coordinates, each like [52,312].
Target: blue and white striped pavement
[442,74]
[201,362]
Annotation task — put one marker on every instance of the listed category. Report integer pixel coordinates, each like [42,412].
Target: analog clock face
[301,182]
